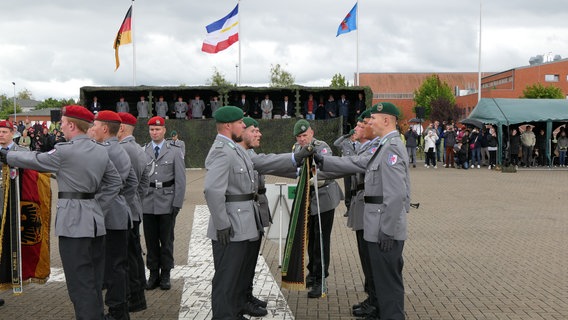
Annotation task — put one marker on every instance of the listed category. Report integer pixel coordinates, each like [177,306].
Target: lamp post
[237,74]
[14,101]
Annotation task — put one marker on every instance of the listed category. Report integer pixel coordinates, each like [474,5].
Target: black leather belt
[261,191]
[159,185]
[374,199]
[75,195]
[239,197]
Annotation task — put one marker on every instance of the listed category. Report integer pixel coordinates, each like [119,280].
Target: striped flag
[124,35]
[222,33]
[349,23]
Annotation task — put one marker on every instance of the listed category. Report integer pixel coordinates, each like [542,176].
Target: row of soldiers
[378,210]
[108,185]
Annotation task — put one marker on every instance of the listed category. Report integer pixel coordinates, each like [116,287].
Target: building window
[551,78]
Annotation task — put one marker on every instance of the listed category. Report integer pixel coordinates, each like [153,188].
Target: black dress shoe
[1,302]
[315,292]
[253,310]
[153,281]
[364,311]
[257,301]
[361,304]
[165,283]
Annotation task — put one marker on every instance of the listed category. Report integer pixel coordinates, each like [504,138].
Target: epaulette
[104,144]
[173,145]
[317,142]
[66,143]
[218,144]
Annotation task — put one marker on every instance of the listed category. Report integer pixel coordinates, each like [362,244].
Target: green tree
[7,107]
[218,79]
[443,109]
[433,89]
[538,91]
[51,103]
[280,77]
[338,81]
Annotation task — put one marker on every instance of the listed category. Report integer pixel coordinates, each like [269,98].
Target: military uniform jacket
[83,166]
[329,193]
[168,167]
[230,171]
[386,175]
[142,107]
[180,144]
[345,144]
[162,109]
[197,107]
[138,161]
[117,215]
[181,109]
[262,200]
[355,218]
[122,107]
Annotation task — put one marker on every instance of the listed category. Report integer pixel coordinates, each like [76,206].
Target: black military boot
[309,281]
[165,280]
[137,302]
[154,280]
[315,292]
[257,301]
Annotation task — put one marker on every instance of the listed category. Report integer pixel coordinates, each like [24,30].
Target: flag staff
[133,48]
[479,58]
[240,64]
[357,54]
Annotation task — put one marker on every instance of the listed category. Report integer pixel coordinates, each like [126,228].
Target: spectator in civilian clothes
[439,130]
[475,147]
[343,106]
[449,142]
[359,106]
[492,148]
[430,148]
[411,138]
[484,152]
[528,140]
[320,110]
[309,110]
[562,145]
[330,108]
[541,146]
[514,147]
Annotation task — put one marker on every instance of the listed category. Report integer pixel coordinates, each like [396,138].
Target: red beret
[108,116]
[6,124]
[78,112]
[157,121]
[127,118]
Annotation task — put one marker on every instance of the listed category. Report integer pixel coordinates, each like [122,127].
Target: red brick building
[399,87]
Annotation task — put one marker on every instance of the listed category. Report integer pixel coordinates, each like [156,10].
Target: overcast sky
[53,48]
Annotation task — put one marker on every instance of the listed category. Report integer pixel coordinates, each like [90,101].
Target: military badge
[392,159]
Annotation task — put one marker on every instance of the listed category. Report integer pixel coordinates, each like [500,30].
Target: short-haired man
[83,168]
[162,203]
[143,108]
[118,216]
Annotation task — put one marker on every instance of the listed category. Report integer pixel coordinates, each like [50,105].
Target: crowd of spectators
[38,136]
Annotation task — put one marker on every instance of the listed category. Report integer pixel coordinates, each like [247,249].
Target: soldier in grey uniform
[181,108]
[329,195]
[215,104]
[143,108]
[162,108]
[348,145]
[387,201]
[177,142]
[229,190]
[83,169]
[136,269]
[122,106]
[118,217]
[162,203]
[197,106]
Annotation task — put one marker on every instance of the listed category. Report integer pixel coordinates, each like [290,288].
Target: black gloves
[385,242]
[3,156]
[302,154]
[175,211]
[224,235]
[318,159]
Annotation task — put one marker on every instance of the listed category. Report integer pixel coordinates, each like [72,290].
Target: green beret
[351,132]
[301,126]
[174,133]
[386,108]
[228,114]
[250,122]
[364,114]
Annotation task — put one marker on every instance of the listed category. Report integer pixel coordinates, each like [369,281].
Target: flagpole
[479,58]
[240,64]
[357,54]
[133,47]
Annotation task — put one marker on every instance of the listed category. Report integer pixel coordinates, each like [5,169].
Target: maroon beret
[127,118]
[78,112]
[157,121]
[108,116]
[6,124]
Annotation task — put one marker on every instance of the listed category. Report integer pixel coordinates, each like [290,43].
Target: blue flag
[349,23]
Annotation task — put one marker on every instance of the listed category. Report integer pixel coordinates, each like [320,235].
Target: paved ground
[483,245]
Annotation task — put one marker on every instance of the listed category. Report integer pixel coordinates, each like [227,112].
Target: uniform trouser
[347,188]
[229,264]
[136,271]
[116,267]
[248,274]
[366,265]
[314,247]
[159,241]
[387,276]
[83,262]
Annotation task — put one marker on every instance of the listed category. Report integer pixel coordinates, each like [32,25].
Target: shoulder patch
[392,159]
[173,145]
[373,150]
[324,151]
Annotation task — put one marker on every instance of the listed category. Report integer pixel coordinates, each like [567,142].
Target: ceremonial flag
[222,33]
[124,35]
[349,23]
[34,200]
[294,262]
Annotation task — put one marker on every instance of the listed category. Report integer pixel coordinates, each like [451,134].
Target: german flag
[124,35]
